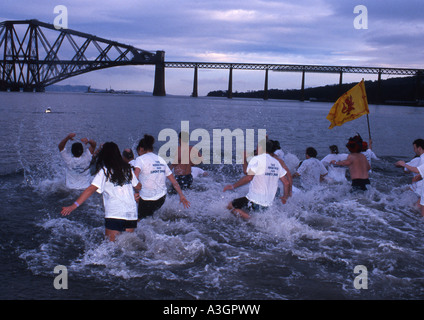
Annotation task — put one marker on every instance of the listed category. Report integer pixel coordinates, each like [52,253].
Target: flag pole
[368,119]
[369,131]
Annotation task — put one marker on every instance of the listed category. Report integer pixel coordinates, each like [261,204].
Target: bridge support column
[302,90]
[418,92]
[159,88]
[379,87]
[195,93]
[266,85]
[341,83]
[230,84]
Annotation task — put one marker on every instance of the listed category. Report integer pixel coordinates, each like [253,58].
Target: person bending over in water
[357,163]
[115,180]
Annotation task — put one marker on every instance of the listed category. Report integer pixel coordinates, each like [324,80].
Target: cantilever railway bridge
[30,61]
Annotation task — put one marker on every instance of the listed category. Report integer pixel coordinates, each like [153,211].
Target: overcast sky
[320,32]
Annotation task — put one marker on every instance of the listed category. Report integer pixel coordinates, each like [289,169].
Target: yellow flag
[350,106]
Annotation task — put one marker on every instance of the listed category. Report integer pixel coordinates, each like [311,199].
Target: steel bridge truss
[294,68]
[291,68]
[30,60]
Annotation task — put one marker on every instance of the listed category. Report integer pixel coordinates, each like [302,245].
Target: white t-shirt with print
[119,201]
[263,187]
[421,170]
[310,172]
[335,173]
[77,172]
[153,173]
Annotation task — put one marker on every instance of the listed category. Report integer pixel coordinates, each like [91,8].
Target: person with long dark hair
[116,180]
[152,171]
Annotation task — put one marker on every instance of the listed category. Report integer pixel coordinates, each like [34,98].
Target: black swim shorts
[120,224]
[184,181]
[244,203]
[148,207]
[360,184]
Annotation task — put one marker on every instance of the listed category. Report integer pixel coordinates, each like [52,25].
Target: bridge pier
[266,85]
[302,90]
[195,93]
[230,84]
[159,88]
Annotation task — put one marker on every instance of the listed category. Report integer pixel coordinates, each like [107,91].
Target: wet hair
[128,154]
[354,145]
[311,152]
[334,149]
[77,149]
[146,143]
[272,146]
[109,160]
[419,143]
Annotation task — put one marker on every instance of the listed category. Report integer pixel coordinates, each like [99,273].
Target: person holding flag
[350,106]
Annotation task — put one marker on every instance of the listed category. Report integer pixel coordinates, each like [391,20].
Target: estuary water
[306,249]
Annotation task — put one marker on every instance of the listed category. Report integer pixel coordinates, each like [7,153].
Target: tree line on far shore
[402,90]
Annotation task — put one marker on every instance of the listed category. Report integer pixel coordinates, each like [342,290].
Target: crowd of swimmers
[134,188]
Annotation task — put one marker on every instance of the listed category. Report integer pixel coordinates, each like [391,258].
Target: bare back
[358,166]
[183,162]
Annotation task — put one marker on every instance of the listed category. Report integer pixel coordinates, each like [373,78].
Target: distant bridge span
[30,61]
[290,68]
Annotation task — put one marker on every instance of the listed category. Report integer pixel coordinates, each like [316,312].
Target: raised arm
[62,143]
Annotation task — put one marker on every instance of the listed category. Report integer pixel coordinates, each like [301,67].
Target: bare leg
[111,234]
[238,212]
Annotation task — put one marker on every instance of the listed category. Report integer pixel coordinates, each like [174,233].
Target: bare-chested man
[357,163]
[185,158]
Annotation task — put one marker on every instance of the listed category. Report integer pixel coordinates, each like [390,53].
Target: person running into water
[417,185]
[357,163]
[116,181]
[311,171]
[336,174]
[185,158]
[152,172]
[263,173]
[77,174]
[419,171]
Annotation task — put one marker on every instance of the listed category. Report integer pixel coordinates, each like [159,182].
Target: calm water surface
[306,249]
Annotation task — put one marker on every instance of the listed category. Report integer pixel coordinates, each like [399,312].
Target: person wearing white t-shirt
[368,153]
[418,177]
[77,174]
[311,171]
[152,172]
[337,174]
[116,180]
[412,166]
[263,174]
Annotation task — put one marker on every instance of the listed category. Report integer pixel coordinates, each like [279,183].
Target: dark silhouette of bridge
[30,62]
